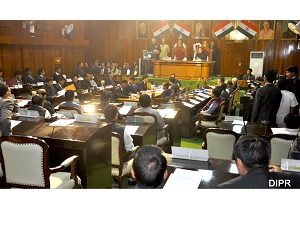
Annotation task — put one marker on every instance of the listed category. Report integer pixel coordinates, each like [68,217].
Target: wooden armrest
[69,161]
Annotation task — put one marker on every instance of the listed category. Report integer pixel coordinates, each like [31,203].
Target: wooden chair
[234,101]
[151,118]
[219,143]
[25,165]
[230,104]
[280,146]
[210,124]
[119,167]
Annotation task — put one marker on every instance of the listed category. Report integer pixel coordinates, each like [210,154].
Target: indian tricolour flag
[182,29]
[161,29]
[247,28]
[223,29]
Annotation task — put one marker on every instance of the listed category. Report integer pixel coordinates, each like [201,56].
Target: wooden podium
[186,70]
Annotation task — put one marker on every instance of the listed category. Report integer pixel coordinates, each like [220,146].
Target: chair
[230,104]
[280,146]
[120,168]
[219,143]
[25,165]
[151,118]
[211,124]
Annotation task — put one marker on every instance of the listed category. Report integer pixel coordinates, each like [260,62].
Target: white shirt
[128,141]
[288,100]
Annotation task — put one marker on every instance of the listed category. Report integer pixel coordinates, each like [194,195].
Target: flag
[182,29]
[161,29]
[223,29]
[247,28]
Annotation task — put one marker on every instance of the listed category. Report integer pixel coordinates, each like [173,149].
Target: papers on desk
[131,129]
[188,104]
[290,165]
[284,131]
[23,102]
[40,83]
[239,122]
[183,179]
[61,93]
[189,153]
[164,113]
[194,101]
[62,122]
[199,98]
[14,123]
[133,119]
[124,110]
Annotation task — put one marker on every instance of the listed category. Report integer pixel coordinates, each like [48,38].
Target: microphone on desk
[241,107]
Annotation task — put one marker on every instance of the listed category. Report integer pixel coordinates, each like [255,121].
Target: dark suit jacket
[248,77]
[40,78]
[233,87]
[57,87]
[121,93]
[40,109]
[142,86]
[109,81]
[85,84]
[166,93]
[27,79]
[262,178]
[266,104]
[6,108]
[132,88]
[50,91]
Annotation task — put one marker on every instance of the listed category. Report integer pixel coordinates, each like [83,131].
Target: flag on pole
[161,29]
[223,29]
[247,28]
[182,29]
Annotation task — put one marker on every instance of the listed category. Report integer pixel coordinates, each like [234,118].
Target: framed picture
[266,29]
[287,34]
[201,29]
[142,29]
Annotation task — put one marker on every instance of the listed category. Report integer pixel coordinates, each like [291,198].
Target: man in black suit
[50,91]
[121,91]
[293,84]
[60,83]
[41,76]
[267,101]
[249,75]
[252,156]
[86,82]
[109,80]
[57,73]
[28,78]
[234,84]
[143,84]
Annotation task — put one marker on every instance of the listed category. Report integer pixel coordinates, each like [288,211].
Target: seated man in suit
[76,82]
[121,91]
[234,84]
[143,84]
[149,167]
[60,83]
[210,108]
[109,80]
[252,155]
[174,86]
[47,104]
[249,75]
[176,81]
[70,97]
[6,110]
[86,82]
[145,101]
[132,88]
[41,76]
[57,73]
[28,78]
[37,104]
[50,91]
[166,90]
[111,116]
[17,80]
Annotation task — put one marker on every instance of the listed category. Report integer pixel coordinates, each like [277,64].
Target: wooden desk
[251,127]
[215,171]
[93,145]
[186,70]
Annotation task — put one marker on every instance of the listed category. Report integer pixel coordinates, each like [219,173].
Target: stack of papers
[188,104]
[284,131]
[131,129]
[28,113]
[86,118]
[290,165]
[183,179]
[62,122]
[124,110]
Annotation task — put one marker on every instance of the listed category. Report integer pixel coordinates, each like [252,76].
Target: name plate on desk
[133,119]
[86,118]
[189,153]
[40,83]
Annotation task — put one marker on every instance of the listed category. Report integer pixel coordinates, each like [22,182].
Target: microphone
[241,107]
[196,84]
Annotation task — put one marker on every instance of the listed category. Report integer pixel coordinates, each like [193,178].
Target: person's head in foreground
[149,167]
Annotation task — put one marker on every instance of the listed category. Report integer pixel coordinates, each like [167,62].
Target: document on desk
[183,179]
[284,131]
[23,102]
[238,122]
[62,122]
[124,110]
[61,93]
[199,98]
[14,123]
[188,104]
[233,118]
[131,129]
[194,101]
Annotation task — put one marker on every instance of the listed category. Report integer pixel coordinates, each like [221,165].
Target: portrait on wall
[266,29]
[201,28]
[142,29]
[286,32]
